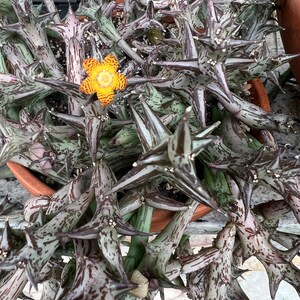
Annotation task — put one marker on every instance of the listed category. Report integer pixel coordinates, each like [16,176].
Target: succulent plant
[172,79]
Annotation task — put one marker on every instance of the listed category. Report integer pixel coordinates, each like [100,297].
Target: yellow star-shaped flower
[103,78]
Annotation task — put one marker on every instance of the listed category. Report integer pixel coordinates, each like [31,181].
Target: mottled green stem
[136,250]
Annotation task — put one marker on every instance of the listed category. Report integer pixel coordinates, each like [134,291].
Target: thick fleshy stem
[72,31]
[32,29]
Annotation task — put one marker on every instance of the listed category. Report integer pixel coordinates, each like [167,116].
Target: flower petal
[110,60]
[89,86]
[90,64]
[105,95]
[120,81]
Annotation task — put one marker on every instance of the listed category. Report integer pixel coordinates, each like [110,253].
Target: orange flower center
[105,79]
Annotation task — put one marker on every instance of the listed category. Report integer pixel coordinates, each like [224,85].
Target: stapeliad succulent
[172,82]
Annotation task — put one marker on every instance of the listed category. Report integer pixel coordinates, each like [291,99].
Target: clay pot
[37,187]
[31,183]
[289,18]
[261,99]
[259,94]
[160,217]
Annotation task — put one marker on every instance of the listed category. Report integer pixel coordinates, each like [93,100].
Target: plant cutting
[127,113]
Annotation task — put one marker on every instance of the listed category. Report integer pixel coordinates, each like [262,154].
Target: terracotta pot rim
[29,181]
[160,217]
[288,15]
